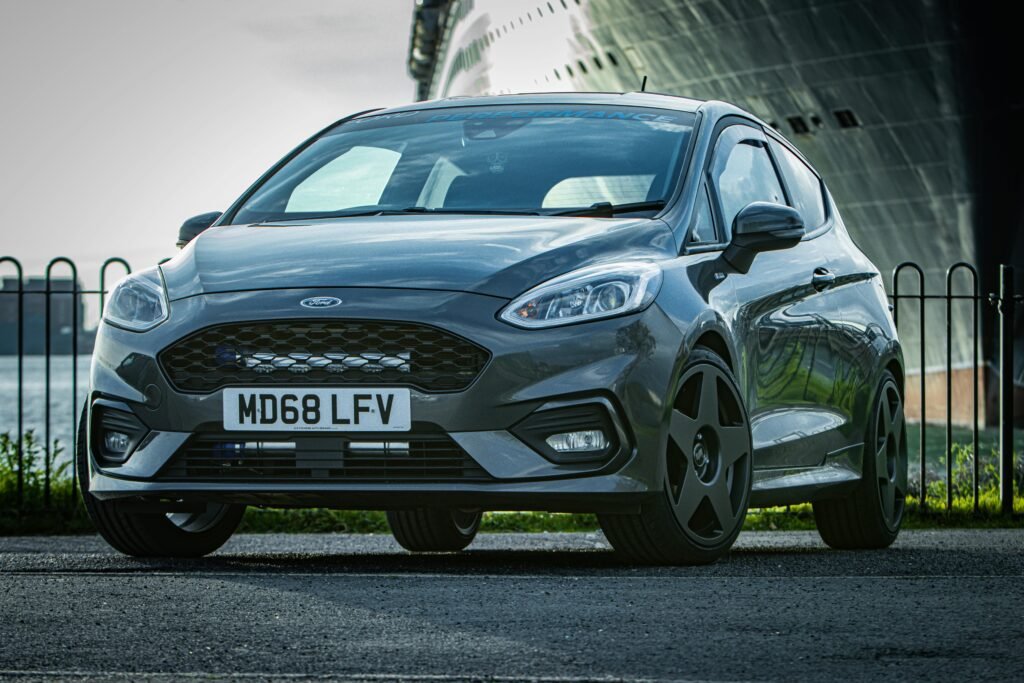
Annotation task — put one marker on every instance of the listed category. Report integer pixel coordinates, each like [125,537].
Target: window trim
[701,178]
[756,135]
[703,246]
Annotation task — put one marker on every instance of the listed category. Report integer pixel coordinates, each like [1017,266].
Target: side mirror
[195,225]
[762,226]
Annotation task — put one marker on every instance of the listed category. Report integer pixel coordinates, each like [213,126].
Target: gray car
[636,305]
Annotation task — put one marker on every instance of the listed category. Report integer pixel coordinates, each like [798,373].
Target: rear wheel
[133,531]
[434,530]
[708,472]
[871,516]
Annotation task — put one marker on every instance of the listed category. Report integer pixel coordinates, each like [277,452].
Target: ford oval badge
[320,302]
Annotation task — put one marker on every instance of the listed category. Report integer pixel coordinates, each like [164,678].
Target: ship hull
[902,106]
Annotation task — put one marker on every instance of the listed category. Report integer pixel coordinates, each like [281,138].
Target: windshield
[506,159]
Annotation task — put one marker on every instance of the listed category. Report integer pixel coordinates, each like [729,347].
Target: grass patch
[320,520]
[314,521]
[62,514]
[65,513]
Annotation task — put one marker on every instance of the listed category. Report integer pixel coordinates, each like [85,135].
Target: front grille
[302,352]
[247,458]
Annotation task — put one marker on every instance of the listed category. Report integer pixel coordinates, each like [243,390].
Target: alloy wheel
[201,520]
[466,520]
[890,454]
[708,455]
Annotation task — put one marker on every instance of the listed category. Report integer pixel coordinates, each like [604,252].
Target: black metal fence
[1004,302]
[49,294]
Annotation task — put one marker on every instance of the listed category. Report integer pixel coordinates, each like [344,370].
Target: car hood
[494,255]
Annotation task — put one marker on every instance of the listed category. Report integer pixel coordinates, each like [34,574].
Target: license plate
[362,409]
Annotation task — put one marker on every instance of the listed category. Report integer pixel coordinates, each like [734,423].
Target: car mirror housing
[195,225]
[762,226]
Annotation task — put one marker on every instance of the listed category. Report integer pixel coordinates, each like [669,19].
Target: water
[64,408]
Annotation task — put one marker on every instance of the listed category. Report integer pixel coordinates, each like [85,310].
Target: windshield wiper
[398,212]
[607,209]
[598,210]
[321,216]
[486,212]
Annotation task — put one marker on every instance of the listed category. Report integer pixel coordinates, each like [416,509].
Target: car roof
[631,99]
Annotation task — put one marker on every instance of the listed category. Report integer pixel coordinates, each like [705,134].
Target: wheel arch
[895,366]
[713,340]
[709,331]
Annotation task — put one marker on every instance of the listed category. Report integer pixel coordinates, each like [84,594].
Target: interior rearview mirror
[762,226]
[195,225]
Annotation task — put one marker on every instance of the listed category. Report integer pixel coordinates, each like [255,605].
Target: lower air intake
[246,458]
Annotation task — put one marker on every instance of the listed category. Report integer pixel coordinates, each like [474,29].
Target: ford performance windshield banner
[513,112]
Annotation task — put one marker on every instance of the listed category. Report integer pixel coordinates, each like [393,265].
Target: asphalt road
[939,605]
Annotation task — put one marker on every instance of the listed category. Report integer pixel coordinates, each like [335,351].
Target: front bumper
[625,364]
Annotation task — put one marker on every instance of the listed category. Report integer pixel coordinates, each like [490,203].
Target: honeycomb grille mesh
[322,352]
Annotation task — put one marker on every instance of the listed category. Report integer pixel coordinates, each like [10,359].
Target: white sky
[121,118]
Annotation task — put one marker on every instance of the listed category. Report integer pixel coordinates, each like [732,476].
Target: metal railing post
[920,296]
[949,377]
[103,277]
[1007,297]
[46,375]
[74,370]
[949,390]
[21,377]
[74,385]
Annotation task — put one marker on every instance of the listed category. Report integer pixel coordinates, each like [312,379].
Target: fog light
[116,443]
[576,434]
[578,442]
[116,432]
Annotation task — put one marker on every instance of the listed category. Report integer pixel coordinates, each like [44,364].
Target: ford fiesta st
[635,305]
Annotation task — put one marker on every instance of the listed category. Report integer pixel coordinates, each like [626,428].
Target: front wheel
[434,530]
[871,516]
[133,531]
[708,473]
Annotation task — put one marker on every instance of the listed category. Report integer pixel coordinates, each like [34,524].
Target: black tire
[426,530]
[153,534]
[708,468]
[871,516]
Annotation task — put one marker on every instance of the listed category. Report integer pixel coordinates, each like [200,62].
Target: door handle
[823,278]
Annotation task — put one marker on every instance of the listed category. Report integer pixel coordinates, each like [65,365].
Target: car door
[856,290]
[784,320]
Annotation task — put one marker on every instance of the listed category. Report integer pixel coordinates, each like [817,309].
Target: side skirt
[837,476]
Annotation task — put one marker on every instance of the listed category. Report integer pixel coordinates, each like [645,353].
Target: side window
[356,178]
[703,230]
[804,186]
[743,173]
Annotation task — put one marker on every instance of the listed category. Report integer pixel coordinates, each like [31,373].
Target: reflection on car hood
[495,255]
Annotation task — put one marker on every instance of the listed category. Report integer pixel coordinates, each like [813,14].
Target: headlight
[138,302]
[589,293]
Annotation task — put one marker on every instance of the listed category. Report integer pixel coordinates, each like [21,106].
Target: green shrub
[63,514]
